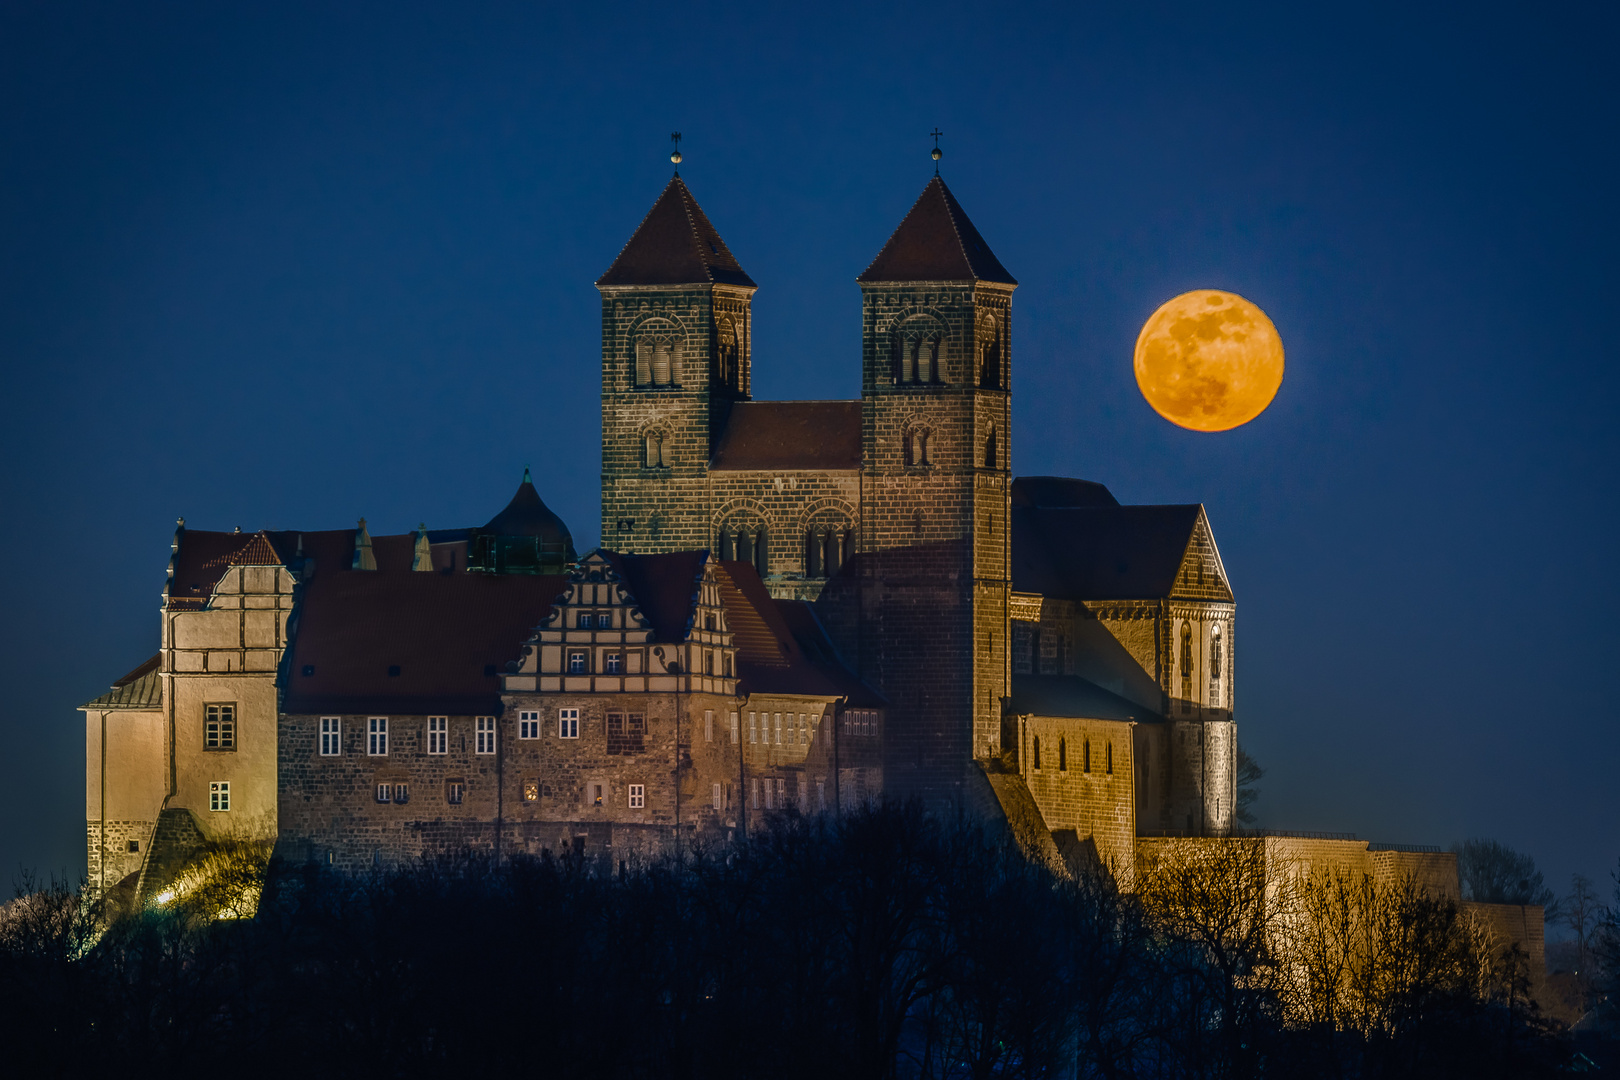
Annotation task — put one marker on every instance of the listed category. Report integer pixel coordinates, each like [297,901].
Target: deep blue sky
[283,266]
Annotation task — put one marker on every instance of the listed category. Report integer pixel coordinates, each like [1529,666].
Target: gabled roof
[203,558]
[140,689]
[936,242]
[675,245]
[1072,696]
[790,435]
[449,636]
[781,647]
[1101,552]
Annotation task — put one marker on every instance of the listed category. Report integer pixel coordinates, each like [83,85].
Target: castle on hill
[798,607]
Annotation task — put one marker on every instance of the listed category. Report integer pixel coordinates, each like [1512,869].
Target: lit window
[438,734]
[219,727]
[708,725]
[719,797]
[331,736]
[576,663]
[219,795]
[615,663]
[377,736]
[528,725]
[385,792]
[453,791]
[531,791]
[485,735]
[638,796]
[567,723]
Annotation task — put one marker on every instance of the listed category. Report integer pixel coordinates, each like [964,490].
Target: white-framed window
[219,795]
[377,736]
[638,796]
[778,729]
[331,736]
[438,734]
[586,620]
[528,725]
[734,718]
[804,729]
[770,794]
[385,792]
[719,797]
[614,663]
[708,725]
[484,734]
[567,723]
[453,791]
[402,793]
[751,728]
[576,663]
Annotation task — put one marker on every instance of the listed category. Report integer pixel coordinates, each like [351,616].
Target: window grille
[485,735]
[377,736]
[567,723]
[219,795]
[438,734]
[576,663]
[219,727]
[638,796]
[528,725]
[719,797]
[331,736]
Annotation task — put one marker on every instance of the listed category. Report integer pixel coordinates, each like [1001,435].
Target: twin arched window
[990,366]
[825,550]
[745,544]
[655,360]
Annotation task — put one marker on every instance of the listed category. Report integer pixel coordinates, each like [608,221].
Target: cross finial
[675,151]
[938,153]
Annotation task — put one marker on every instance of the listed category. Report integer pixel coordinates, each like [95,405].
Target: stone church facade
[798,607]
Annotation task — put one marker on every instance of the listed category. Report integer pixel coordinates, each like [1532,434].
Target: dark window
[1109,759]
[453,791]
[402,793]
[219,727]
[1087,753]
[134,846]
[990,450]
[576,663]
[1063,755]
[1036,756]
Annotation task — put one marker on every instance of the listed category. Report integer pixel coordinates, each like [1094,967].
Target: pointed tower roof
[675,245]
[528,515]
[936,242]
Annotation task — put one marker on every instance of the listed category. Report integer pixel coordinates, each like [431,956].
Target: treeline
[882,944]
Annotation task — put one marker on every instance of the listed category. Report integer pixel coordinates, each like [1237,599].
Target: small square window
[377,736]
[219,727]
[402,793]
[528,725]
[453,791]
[576,663]
[331,736]
[485,735]
[615,663]
[385,792]
[531,791]
[134,847]
[638,796]
[219,795]
[438,734]
[567,723]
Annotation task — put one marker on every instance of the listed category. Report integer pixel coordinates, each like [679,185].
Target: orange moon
[1209,361]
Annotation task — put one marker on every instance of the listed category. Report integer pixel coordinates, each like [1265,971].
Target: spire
[936,242]
[423,558]
[363,557]
[675,245]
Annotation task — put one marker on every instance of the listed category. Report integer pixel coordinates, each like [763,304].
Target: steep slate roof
[1100,552]
[140,689]
[675,245]
[936,242]
[1072,696]
[790,435]
[1051,492]
[450,635]
[770,635]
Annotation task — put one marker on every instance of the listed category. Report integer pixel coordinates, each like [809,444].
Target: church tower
[676,354]
[935,404]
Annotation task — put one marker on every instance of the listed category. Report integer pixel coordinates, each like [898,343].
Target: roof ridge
[687,202]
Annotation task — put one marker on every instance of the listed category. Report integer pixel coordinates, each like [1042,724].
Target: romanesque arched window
[928,360]
[1186,667]
[825,550]
[916,447]
[1216,698]
[655,456]
[989,358]
[919,351]
[655,359]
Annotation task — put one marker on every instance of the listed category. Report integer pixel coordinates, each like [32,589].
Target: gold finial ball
[675,157]
[937,154]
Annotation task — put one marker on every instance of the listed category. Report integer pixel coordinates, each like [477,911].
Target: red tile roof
[449,635]
[774,435]
[936,242]
[781,648]
[675,245]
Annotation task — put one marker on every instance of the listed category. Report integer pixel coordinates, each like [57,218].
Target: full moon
[1209,360]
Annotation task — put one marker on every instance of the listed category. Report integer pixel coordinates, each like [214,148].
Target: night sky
[279,267]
